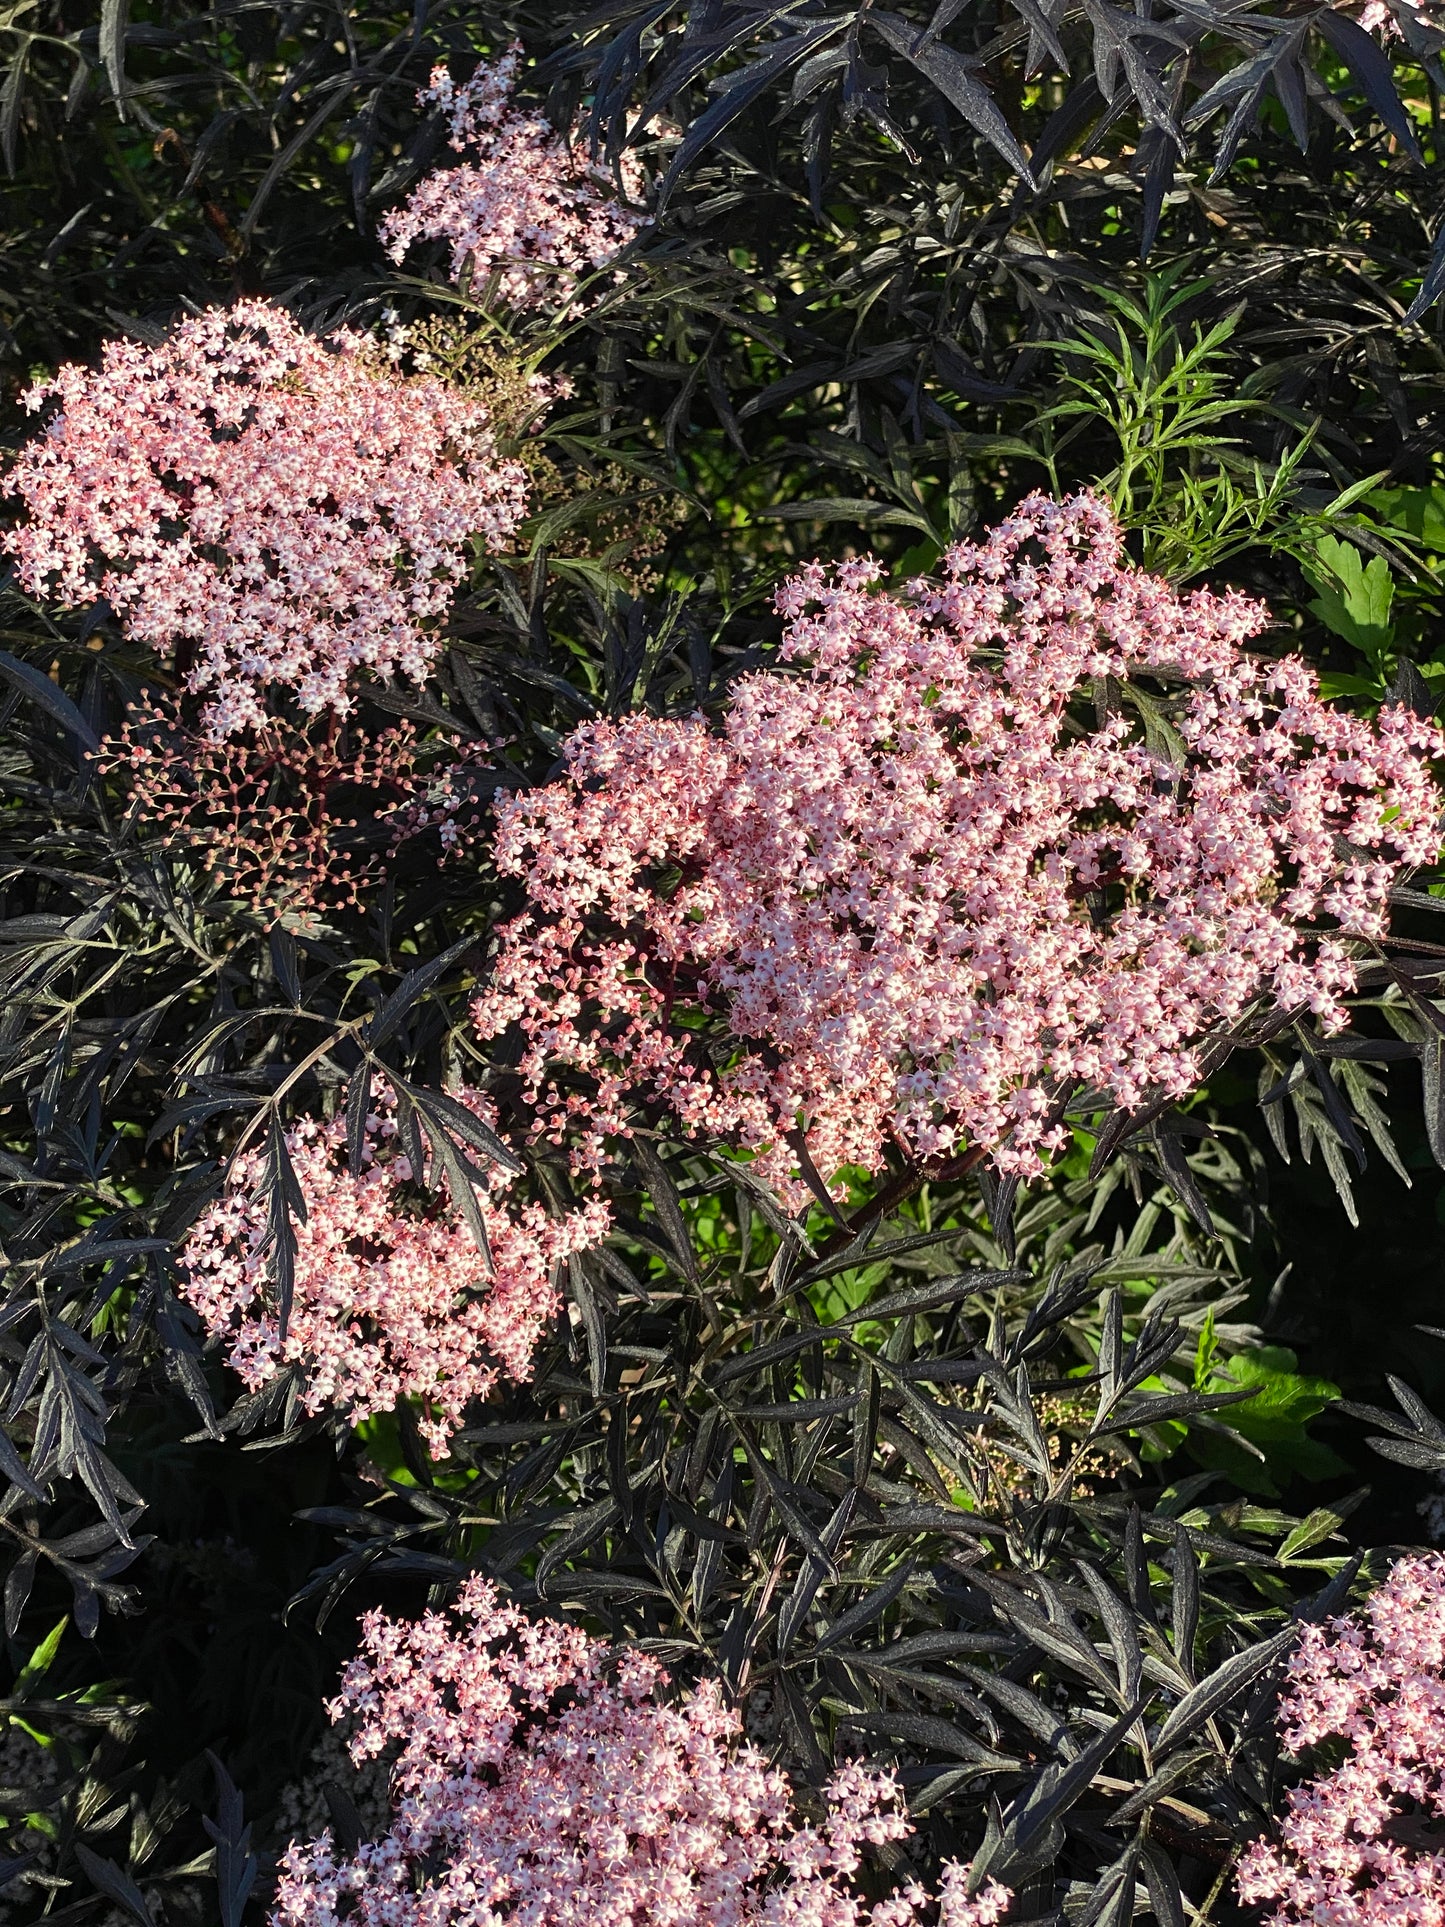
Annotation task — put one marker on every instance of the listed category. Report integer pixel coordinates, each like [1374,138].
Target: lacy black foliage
[1005,1488]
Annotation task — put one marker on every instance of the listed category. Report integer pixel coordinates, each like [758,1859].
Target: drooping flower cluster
[1039,825]
[544,1778]
[294,820]
[1362,1844]
[391,1300]
[273,511]
[526,204]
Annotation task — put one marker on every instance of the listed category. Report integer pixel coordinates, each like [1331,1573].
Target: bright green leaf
[1354,596]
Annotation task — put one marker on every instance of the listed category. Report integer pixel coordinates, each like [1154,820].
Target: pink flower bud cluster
[542,1778]
[282,814]
[392,1299]
[276,512]
[1362,1843]
[525,205]
[955,859]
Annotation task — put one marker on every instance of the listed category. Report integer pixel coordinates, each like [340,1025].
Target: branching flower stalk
[292,817]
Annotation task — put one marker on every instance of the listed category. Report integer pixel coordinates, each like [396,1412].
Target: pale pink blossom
[392,1297]
[526,204]
[1362,1843]
[544,1779]
[927,886]
[272,511]
[1377,16]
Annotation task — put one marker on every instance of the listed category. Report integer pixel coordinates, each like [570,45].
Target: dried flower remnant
[1063,1424]
[927,884]
[543,1777]
[526,204]
[275,512]
[390,1302]
[293,820]
[1362,1844]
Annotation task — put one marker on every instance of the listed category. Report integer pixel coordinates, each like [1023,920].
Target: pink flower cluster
[542,1779]
[930,882]
[1377,16]
[1362,1844]
[391,1301]
[275,511]
[526,205]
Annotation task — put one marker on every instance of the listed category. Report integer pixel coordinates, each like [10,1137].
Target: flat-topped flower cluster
[392,1299]
[1037,825]
[271,511]
[543,1777]
[525,205]
[1362,1844]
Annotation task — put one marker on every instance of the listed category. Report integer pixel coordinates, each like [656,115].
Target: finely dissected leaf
[921,1730]
[1224,1684]
[1161,1881]
[413,986]
[915,1298]
[587,1526]
[589,1304]
[864,1611]
[1362,55]
[48,696]
[1030,1833]
[358,1106]
[666,1203]
[115,1883]
[738,93]
[954,78]
[445,1117]
[114,15]
[1432,1074]
[284,1202]
[1119,1625]
[1060,1640]
[1424,1455]
[813,1572]
[236,1865]
[14,1468]
[12,100]
[1185,1599]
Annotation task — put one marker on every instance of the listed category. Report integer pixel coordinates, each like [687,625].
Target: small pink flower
[391,1301]
[543,1778]
[273,511]
[526,204]
[927,886]
[1377,16]
[1355,1845]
